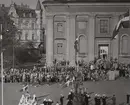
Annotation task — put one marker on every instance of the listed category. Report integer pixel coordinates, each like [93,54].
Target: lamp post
[1,66]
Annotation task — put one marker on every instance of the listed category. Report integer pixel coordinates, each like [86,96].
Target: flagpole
[77,60]
[1,67]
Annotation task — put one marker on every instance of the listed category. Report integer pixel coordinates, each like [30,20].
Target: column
[49,41]
[68,36]
[72,39]
[91,37]
[115,42]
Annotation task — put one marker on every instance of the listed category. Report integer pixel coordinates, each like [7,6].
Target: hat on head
[49,100]
[96,94]
[104,95]
[45,99]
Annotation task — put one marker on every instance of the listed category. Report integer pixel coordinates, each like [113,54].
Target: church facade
[92,22]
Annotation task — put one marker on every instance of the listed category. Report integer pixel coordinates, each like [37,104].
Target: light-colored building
[28,21]
[93,22]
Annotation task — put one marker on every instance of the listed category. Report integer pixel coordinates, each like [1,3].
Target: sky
[31,3]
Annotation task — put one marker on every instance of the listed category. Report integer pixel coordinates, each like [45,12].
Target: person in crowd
[69,102]
[57,103]
[61,99]
[98,99]
[86,99]
[69,96]
[113,100]
[45,101]
[104,98]
[95,99]
[50,102]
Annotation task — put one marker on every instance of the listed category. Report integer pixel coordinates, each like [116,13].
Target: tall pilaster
[68,36]
[115,42]
[72,39]
[49,41]
[91,37]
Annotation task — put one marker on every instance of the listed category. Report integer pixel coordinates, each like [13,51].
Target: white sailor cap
[104,95]
[44,99]
[49,100]
[34,95]
[96,94]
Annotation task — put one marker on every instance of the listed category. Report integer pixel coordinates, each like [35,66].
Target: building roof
[3,10]
[85,1]
[38,7]
[25,11]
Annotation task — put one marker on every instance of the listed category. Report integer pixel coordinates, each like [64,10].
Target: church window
[124,44]
[59,27]
[104,26]
[11,14]
[19,35]
[26,36]
[33,25]
[33,36]
[30,14]
[59,48]
[82,44]
[23,14]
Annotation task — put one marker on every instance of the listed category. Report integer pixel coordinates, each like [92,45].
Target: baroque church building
[93,22]
[28,21]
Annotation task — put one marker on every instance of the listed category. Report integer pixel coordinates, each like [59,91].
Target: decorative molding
[89,4]
[124,56]
[60,39]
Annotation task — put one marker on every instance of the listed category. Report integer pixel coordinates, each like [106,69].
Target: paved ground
[118,87]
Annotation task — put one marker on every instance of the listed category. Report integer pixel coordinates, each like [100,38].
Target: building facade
[92,22]
[28,21]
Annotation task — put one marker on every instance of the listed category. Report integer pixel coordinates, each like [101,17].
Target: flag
[123,23]
[24,88]
[76,45]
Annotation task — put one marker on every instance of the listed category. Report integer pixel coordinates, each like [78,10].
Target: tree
[8,32]
[27,53]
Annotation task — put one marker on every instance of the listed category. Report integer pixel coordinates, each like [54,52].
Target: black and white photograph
[64,52]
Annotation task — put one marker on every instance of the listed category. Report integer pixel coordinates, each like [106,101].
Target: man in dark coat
[113,100]
[72,95]
[95,99]
[86,99]
[69,102]
[61,99]
[104,97]
[98,100]
[50,102]
[45,102]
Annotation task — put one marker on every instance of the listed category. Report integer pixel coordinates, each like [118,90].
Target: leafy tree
[27,53]
[8,32]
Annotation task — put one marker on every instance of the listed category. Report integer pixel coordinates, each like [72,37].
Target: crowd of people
[93,71]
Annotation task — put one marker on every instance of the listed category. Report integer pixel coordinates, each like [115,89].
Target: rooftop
[25,11]
[86,1]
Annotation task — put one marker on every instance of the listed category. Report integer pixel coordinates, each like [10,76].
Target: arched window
[82,45]
[124,44]
[33,26]
[26,36]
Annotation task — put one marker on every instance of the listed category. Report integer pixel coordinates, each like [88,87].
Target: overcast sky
[31,3]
